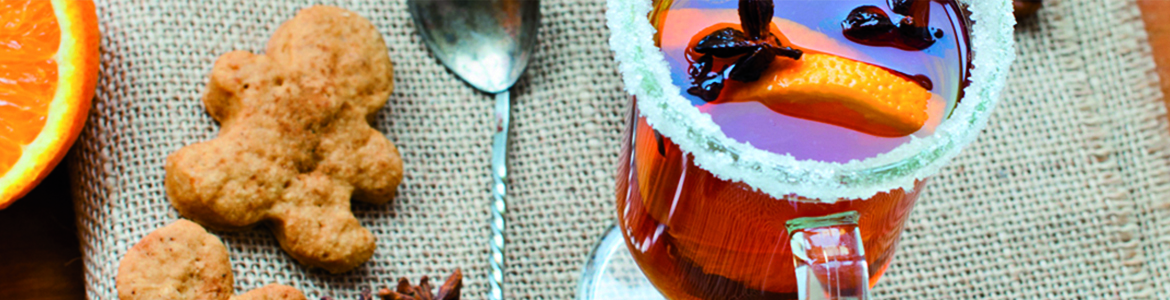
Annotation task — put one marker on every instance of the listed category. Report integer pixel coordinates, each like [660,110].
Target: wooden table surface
[40,256]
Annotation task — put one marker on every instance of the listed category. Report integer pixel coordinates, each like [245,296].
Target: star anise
[405,291]
[755,45]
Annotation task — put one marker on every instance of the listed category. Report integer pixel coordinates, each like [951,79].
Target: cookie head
[295,143]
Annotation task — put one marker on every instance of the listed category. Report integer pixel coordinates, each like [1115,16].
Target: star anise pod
[756,46]
[405,291]
[755,16]
[723,43]
[705,82]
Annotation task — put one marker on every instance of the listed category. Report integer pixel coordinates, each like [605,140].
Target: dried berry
[867,23]
[901,7]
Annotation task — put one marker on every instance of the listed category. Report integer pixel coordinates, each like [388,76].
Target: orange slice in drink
[48,70]
[839,91]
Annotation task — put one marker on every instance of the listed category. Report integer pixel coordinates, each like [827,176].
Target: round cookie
[183,261]
[179,261]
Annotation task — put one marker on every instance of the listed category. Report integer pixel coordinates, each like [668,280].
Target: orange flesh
[839,91]
[29,38]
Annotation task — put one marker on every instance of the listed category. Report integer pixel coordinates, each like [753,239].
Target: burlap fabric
[1065,196]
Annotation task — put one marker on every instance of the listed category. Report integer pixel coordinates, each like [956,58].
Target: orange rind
[48,71]
[839,91]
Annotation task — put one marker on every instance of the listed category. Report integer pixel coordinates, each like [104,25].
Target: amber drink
[697,234]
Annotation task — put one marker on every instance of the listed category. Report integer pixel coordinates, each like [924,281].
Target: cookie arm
[380,170]
[363,157]
[234,74]
[226,183]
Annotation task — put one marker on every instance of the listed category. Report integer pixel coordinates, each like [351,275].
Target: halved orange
[48,70]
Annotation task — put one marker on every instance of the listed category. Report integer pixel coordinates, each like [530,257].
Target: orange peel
[839,91]
[48,71]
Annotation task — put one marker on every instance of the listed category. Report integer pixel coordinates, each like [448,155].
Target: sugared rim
[647,76]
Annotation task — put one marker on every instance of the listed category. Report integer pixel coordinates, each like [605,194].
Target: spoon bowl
[484,42]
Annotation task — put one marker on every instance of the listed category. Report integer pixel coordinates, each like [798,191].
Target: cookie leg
[316,227]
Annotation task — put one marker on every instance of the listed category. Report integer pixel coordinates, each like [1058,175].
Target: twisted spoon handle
[499,191]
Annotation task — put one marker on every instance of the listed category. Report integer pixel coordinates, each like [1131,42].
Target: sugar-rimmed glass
[895,176]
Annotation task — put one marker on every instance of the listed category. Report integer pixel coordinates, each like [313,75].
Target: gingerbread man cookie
[295,144]
[183,261]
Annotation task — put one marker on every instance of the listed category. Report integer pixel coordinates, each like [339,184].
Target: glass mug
[703,216]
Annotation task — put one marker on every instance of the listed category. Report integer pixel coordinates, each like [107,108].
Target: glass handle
[829,257]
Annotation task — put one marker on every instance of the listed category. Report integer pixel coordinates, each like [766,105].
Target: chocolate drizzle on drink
[870,25]
[755,46]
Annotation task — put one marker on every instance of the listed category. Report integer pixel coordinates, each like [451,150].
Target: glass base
[612,273]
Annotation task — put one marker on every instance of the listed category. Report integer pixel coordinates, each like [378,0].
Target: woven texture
[1063,197]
